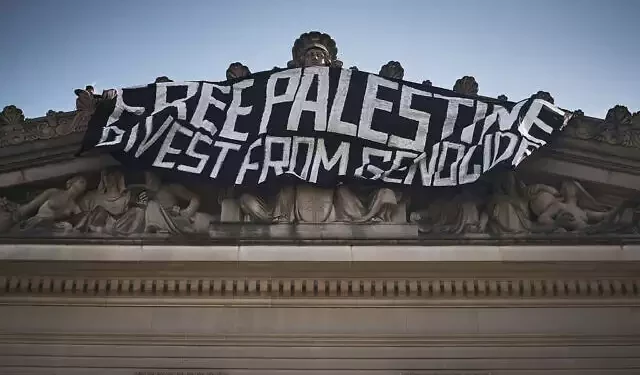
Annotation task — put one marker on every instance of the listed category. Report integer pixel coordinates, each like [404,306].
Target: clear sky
[586,53]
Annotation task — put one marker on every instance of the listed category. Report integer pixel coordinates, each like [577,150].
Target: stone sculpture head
[314,49]
[316,57]
[76,185]
[392,69]
[237,70]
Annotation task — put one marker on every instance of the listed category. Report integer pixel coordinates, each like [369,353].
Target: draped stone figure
[458,215]
[112,208]
[508,206]
[54,208]
[308,203]
[164,214]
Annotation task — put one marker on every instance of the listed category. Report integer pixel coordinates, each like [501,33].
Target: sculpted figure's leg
[383,204]
[350,207]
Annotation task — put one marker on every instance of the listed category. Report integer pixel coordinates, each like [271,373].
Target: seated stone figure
[368,204]
[54,208]
[452,216]
[508,206]
[163,213]
[112,208]
[312,204]
[309,203]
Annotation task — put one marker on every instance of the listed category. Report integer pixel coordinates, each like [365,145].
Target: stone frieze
[122,203]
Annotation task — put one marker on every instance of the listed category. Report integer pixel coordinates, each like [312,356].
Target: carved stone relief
[619,127]
[512,207]
[544,96]
[15,129]
[237,70]
[112,208]
[314,49]
[392,69]
[466,85]
[110,205]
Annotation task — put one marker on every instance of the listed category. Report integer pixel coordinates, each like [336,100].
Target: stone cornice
[319,240]
[359,276]
[328,340]
[348,254]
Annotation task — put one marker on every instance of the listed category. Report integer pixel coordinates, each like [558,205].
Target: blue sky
[584,52]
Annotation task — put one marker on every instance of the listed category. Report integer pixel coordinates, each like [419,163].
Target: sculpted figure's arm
[596,216]
[183,193]
[76,209]
[33,206]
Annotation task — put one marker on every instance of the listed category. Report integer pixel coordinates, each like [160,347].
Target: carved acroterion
[466,85]
[544,95]
[314,49]
[392,69]
[237,70]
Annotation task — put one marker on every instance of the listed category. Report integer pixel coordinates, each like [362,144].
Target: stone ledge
[337,253]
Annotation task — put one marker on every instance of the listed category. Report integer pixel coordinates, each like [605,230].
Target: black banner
[320,125]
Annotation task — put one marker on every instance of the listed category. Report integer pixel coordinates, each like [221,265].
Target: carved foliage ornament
[544,96]
[466,85]
[619,127]
[237,70]
[15,129]
[11,115]
[393,70]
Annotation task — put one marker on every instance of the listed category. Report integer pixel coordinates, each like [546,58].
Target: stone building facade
[108,270]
